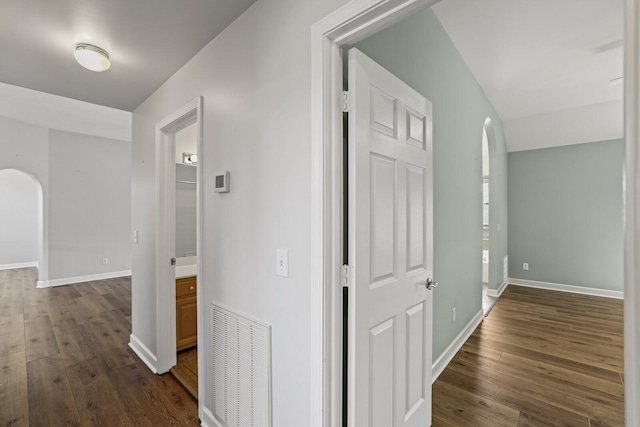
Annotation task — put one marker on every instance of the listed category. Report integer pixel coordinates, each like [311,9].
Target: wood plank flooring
[541,358]
[186,371]
[65,360]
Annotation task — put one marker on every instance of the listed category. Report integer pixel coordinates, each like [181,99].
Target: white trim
[583,290]
[19,265]
[354,21]
[199,256]
[189,114]
[143,353]
[207,419]
[497,292]
[82,279]
[632,212]
[447,355]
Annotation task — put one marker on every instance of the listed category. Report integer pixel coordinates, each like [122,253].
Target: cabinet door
[186,322]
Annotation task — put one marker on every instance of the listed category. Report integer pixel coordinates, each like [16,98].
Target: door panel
[390,249]
[415,361]
[383,209]
[416,251]
[382,374]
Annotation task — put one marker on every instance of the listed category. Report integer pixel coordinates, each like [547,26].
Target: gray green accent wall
[419,51]
[565,214]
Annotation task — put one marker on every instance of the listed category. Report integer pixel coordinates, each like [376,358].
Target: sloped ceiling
[539,60]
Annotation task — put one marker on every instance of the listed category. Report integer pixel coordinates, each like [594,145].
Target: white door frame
[165,235]
[352,22]
[355,21]
[632,211]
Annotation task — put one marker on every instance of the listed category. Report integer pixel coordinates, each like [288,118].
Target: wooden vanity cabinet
[186,313]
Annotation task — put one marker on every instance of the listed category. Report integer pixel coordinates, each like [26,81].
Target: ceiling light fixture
[92,57]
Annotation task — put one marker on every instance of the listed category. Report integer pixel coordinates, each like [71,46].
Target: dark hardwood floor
[541,358]
[65,360]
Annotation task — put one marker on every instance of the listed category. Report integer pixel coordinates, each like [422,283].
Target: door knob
[430,284]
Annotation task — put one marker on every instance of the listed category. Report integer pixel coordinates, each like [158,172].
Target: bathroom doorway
[186,271]
[178,263]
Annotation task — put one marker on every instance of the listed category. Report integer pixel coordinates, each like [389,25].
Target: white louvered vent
[241,370]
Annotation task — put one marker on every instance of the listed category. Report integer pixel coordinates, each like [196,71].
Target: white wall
[57,112]
[25,147]
[89,205]
[255,80]
[186,212]
[86,191]
[18,218]
[186,142]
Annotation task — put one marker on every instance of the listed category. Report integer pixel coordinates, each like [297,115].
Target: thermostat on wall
[222,182]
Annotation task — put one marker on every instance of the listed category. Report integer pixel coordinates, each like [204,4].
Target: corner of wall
[447,355]
[143,352]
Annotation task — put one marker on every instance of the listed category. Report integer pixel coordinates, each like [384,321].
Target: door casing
[355,21]
[165,236]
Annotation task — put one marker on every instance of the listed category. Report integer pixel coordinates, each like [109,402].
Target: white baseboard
[497,292]
[207,419]
[19,265]
[81,279]
[143,353]
[568,288]
[458,342]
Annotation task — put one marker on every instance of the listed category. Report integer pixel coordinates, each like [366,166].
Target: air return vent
[241,370]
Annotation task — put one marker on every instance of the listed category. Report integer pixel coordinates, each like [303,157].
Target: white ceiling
[536,57]
[148,41]
[542,63]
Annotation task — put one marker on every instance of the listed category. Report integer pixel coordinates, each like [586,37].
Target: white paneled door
[390,212]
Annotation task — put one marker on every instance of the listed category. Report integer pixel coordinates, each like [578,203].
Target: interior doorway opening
[178,258]
[487,301]
[22,214]
[186,164]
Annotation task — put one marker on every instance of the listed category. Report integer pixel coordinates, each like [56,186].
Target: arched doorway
[22,216]
[487,150]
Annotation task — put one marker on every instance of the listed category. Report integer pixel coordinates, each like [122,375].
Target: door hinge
[173,261]
[346,101]
[345,276]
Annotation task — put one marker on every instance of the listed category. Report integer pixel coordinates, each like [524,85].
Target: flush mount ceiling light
[92,57]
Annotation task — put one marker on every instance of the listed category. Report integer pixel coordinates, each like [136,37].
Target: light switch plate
[282,262]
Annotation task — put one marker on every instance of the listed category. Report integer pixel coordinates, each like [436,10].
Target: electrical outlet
[282,262]
[453,314]
[105,261]
[525,266]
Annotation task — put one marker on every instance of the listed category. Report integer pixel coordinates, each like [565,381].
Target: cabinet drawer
[186,286]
